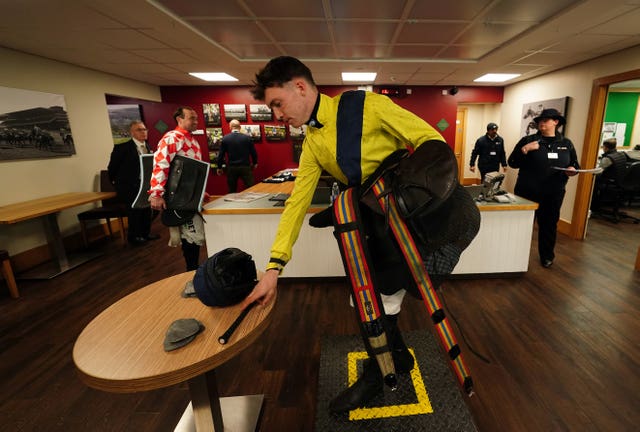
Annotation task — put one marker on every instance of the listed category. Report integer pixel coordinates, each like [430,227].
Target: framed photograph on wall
[211,114]
[252,130]
[120,117]
[260,112]
[275,132]
[235,111]
[214,135]
[33,125]
[297,133]
[532,110]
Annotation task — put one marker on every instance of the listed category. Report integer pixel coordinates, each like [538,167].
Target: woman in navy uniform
[537,156]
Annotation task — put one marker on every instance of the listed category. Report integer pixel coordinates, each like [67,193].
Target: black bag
[225,278]
[426,179]
[184,190]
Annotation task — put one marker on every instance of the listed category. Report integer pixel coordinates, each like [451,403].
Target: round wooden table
[122,351]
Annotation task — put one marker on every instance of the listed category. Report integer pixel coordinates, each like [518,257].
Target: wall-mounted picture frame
[275,132]
[214,136]
[211,114]
[235,112]
[252,130]
[120,118]
[297,133]
[532,110]
[260,112]
[33,125]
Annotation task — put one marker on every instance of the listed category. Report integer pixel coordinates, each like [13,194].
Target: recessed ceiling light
[361,77]
[496,77]
[213,76]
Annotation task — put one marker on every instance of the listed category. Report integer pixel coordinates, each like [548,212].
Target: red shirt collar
[184,132]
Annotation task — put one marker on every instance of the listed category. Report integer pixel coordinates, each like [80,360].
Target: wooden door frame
[590,148]
[459,145]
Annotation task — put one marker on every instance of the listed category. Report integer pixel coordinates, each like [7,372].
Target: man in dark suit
[242,157]
[124,173]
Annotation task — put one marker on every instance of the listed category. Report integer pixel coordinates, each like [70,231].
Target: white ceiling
[407,42]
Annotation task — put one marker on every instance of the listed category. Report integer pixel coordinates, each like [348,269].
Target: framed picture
[297,133]
[252,130]
[235,111]
[275,132]
[120,117]
[534,109]
[214,135]
[211,114]
[33,125]
[260,112]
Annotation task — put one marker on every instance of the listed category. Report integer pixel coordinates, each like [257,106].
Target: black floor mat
[427,399]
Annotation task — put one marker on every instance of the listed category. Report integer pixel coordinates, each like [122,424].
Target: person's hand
[255,166]
[571,171]
[473,169]
[530,147]
[265,291]
[157,203]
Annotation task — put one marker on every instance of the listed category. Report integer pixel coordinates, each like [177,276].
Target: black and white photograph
[120,117]
[275,132]
[533,109]
[33,125]
[235,111]
[252,130]
[211,114]
[260,112]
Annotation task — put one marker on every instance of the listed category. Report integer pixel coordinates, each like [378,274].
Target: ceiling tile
[364,32]
[435,33]
[485,33]
[355,9]
[528,11]
[233,31]
[401,51]
[197,8]
[459,10]
[298,31]
[309,50]
[298,8]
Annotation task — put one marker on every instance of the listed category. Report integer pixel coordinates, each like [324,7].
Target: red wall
[427,102]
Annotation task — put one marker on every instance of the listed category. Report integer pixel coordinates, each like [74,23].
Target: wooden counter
[502,245]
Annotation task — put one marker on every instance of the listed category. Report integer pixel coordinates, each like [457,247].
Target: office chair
[613,193]
[631,182]
[111,208]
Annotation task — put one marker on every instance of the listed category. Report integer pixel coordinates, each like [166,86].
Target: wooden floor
[564,343]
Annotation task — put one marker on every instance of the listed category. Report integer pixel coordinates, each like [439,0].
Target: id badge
[552,155]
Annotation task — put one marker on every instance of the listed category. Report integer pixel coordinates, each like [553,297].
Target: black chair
[111,208]
[613,192]
[631,183]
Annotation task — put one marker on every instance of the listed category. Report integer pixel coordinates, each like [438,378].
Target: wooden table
[47,209]
[121,351]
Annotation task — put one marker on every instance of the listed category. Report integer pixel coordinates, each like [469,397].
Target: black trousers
[547,216]
[139,222]
[236,172]
[191,253]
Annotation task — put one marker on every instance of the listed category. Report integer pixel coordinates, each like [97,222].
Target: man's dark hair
[277,72]
[180,112]
[610,143]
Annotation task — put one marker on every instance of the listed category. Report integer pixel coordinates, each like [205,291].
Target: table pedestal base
[240,414]
[51,269]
